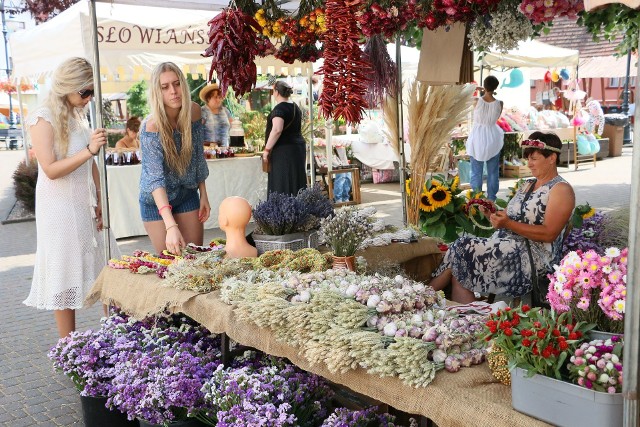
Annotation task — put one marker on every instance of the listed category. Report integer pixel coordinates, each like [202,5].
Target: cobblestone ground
[31,393]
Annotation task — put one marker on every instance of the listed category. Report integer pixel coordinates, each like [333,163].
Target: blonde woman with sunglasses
[173,196]
[69,253]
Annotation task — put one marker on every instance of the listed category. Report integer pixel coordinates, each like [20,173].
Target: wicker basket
[294,241]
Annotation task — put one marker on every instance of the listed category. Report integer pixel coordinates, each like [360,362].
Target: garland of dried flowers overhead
[383,79]
[433,112]
[504,29]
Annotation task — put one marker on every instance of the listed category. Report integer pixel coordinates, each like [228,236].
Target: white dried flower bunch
[345,231]
[502,29]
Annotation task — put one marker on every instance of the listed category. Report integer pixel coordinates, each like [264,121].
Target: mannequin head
[234,213]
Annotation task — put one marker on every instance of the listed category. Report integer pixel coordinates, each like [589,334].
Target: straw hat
[205,91]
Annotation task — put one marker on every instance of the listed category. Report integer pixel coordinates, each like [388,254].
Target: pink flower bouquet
[592,286]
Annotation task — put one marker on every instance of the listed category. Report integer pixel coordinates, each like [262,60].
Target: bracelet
[170,227]
[92,153]
[165,206]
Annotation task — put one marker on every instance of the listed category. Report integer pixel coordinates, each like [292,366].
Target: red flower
[540,334]
[570,328]
[516,320]
[537,324]
[526,342]
[505,324]
[579,334]
[493,329]
[546,353]
[573,336]
[556,333]
[563,345]
[535,351]
[561,338]
[507,309]
[508,332]
[525,308]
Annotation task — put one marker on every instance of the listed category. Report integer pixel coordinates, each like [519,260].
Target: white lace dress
[69,253]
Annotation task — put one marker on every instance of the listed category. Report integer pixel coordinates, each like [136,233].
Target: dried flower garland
[484,203]
[502,29]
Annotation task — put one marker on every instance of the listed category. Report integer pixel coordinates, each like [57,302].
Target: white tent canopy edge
[132,39]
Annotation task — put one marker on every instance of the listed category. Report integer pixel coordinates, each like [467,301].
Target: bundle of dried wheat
[433,113]
[390,116]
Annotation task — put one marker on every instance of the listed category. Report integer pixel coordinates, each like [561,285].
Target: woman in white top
[486,140]
[69,253]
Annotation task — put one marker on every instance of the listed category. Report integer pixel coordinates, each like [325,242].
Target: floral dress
[500,264]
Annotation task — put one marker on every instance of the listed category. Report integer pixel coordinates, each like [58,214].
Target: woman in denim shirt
[173,165]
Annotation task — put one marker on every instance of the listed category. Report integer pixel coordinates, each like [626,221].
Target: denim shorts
[187,200]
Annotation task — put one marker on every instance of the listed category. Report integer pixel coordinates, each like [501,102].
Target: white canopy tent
[132,39]
[534,54]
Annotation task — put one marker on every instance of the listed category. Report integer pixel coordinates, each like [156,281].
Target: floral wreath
[536,143]
[481,203]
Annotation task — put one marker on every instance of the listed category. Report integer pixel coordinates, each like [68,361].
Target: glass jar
[236,134]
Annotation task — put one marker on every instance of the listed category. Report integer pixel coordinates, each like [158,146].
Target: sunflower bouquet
[442,209]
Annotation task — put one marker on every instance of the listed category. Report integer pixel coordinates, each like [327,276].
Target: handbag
[266,163]
[539,285]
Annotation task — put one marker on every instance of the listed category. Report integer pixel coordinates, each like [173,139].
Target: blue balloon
[564,74]
[515,79]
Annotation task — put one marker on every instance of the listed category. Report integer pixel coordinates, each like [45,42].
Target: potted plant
[592,287]
[88,358]
[344,233]
[290,222]
[539,345]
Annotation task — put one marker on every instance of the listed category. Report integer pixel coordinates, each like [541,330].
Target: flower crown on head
[536,143]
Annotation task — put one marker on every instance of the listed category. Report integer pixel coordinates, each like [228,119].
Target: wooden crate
[516,171]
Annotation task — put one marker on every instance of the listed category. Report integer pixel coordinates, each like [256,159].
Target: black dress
[288,172]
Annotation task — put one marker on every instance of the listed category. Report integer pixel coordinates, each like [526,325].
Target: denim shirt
[155,171]
[216,126]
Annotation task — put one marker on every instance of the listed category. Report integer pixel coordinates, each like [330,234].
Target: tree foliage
[43,10]
[137,100]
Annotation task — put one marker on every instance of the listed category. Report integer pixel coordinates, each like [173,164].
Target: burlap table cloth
[471,397]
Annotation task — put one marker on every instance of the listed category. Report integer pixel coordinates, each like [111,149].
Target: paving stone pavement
[31,393]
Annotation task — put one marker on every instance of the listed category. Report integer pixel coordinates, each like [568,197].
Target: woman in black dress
[285,146]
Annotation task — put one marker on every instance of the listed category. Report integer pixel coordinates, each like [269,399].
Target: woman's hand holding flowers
[499,219]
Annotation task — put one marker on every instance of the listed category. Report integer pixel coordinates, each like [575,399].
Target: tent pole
[402,166]
[24,136]
[97,123]
[632,309]
[312,163]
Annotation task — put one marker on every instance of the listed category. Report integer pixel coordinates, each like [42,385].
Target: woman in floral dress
[538,212]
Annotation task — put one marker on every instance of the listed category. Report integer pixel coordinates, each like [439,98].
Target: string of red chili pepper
[234,43]
[345,68]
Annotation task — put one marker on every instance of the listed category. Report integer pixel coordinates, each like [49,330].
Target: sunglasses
[86,93]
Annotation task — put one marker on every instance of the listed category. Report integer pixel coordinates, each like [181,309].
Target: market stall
[240,176]
[479,398]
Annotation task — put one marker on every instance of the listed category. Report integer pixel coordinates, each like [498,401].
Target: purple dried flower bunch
[159,377]
[585,238]
[89,357]
[266,391]
[343,417]
[285,214]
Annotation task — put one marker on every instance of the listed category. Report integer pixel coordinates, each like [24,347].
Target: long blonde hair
[178,162]
[71,76]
